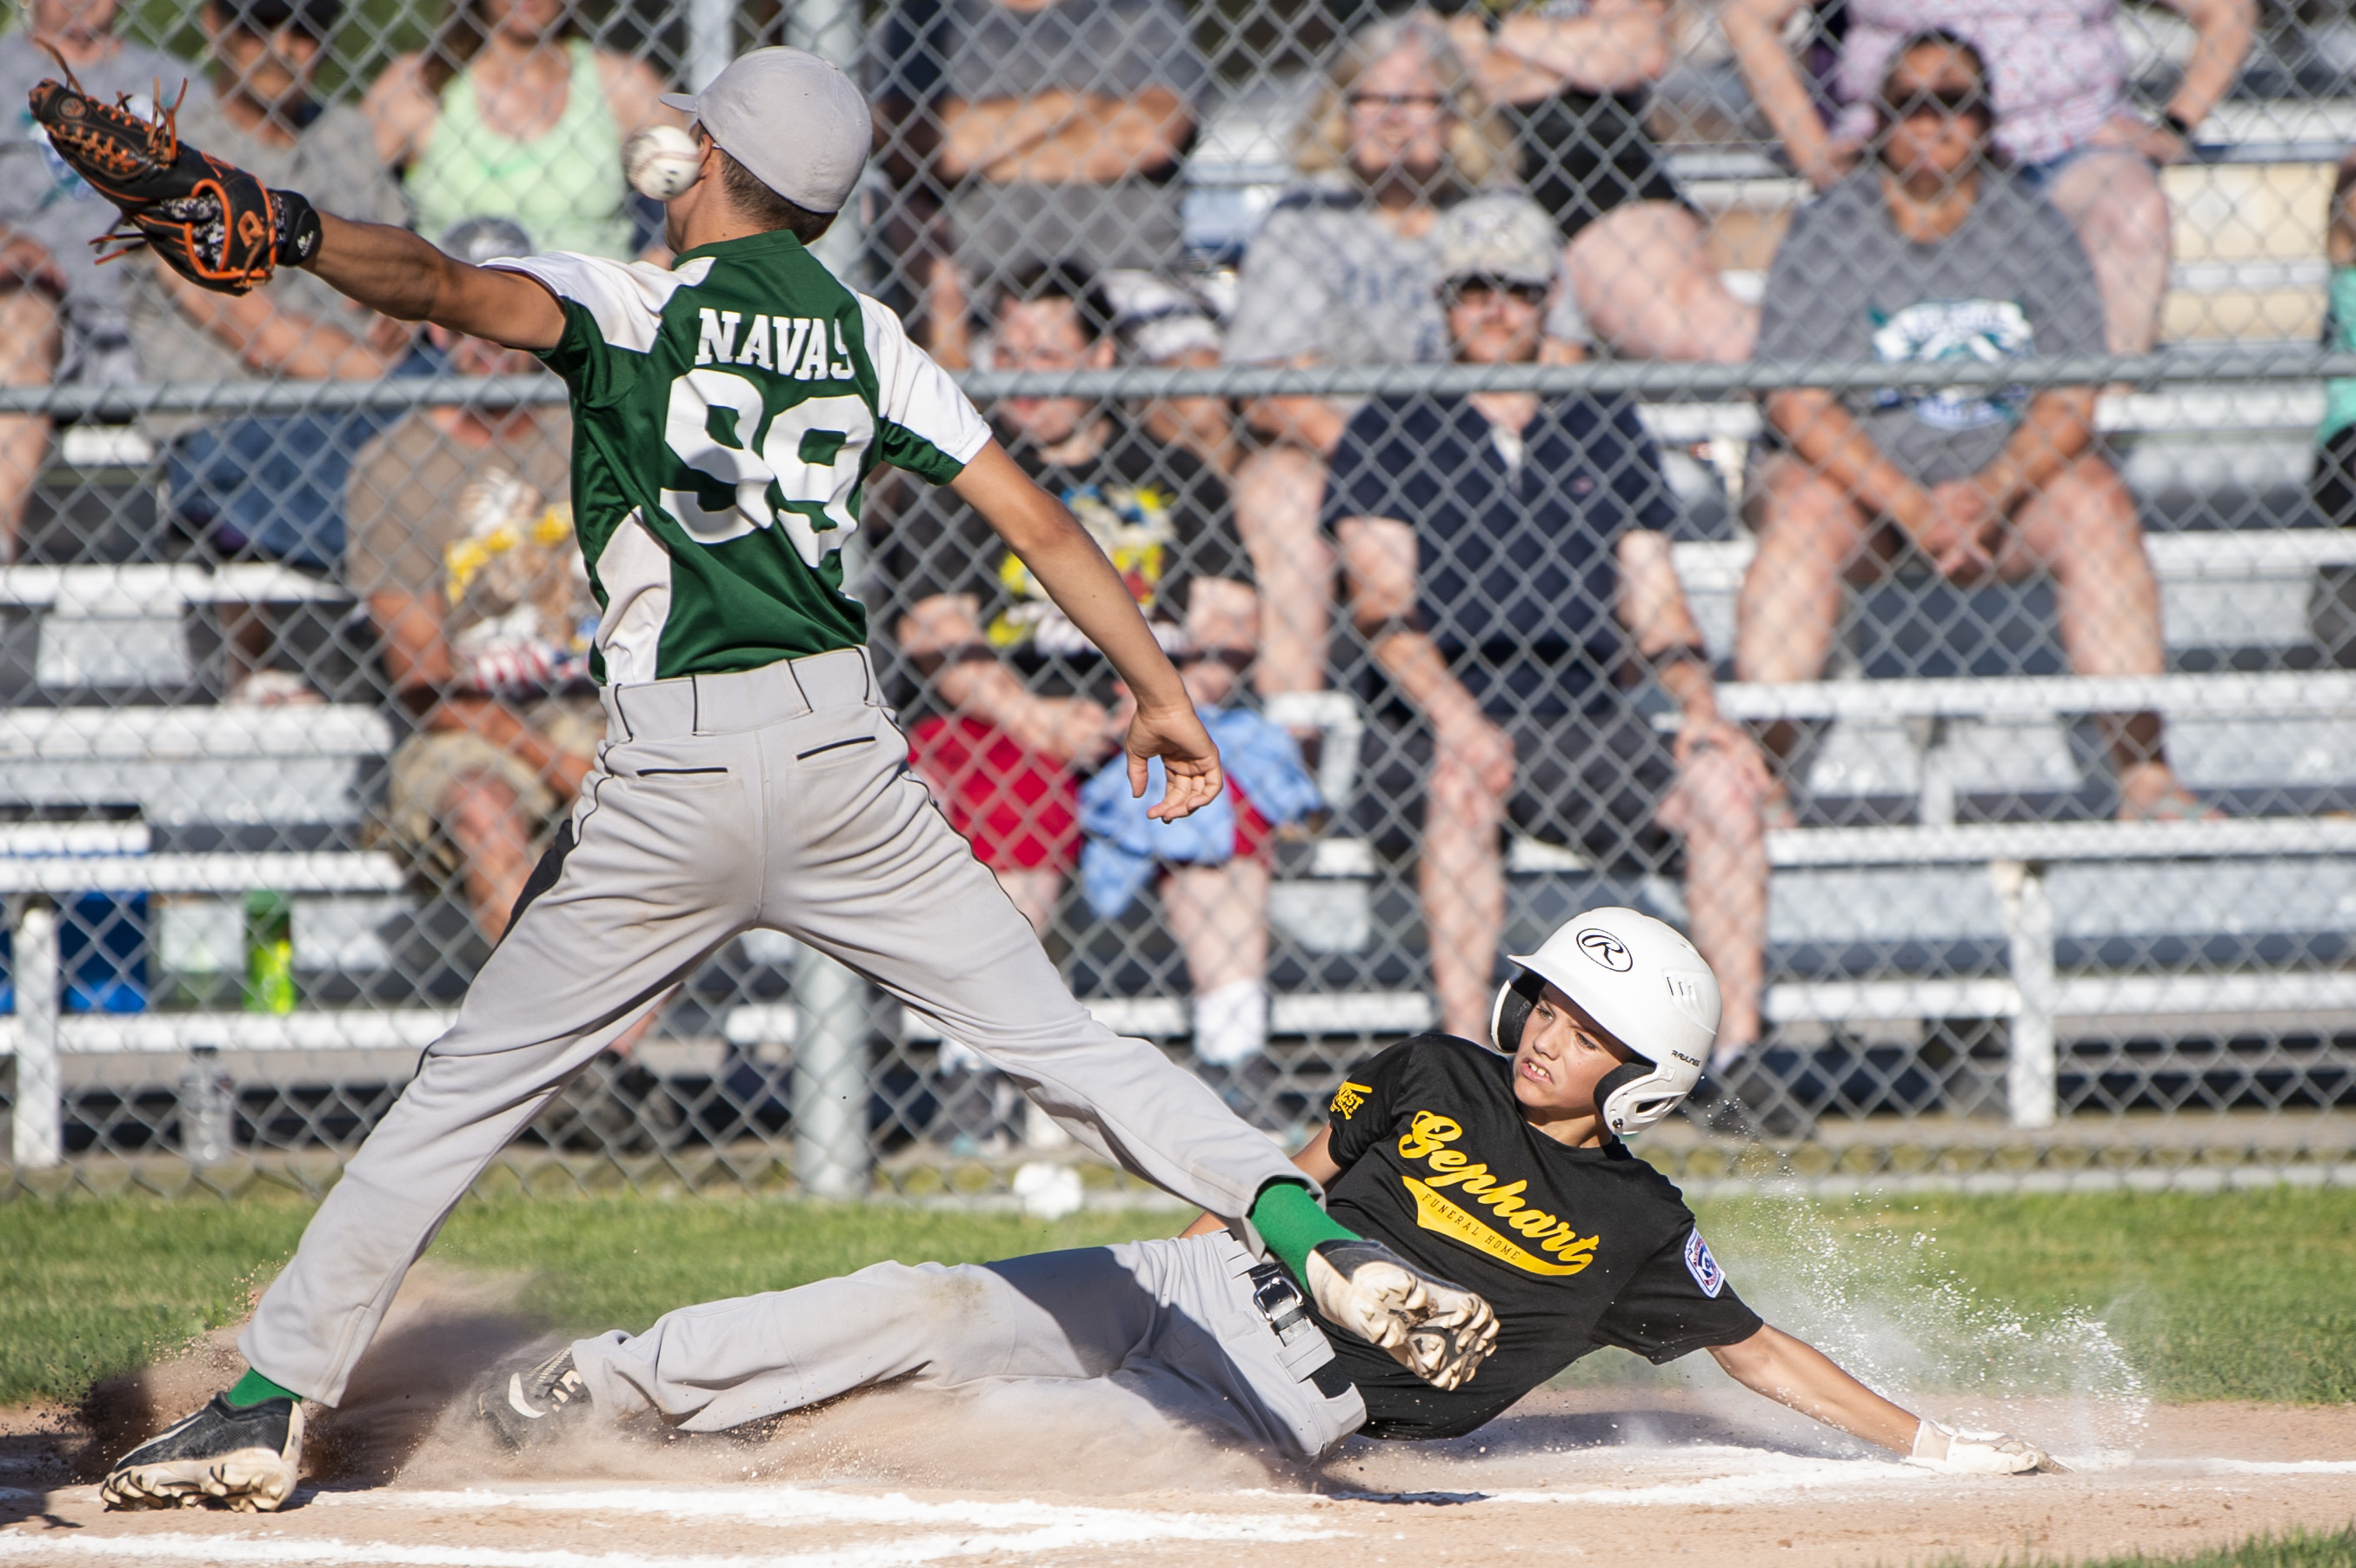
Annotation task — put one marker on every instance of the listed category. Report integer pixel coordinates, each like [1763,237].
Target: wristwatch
[2178,123]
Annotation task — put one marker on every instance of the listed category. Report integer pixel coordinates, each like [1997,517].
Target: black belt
[1287,1311]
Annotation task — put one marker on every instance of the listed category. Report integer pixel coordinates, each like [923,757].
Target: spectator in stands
[461,546]
[2059,94]
[1507,561]
[1933,253]
[1056,128]
[511,112]
[270,486]
[1022,706]
[60,313]
[1572,81]
[1343,272]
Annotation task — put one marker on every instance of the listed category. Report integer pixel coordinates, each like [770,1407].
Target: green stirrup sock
[1288,1220]
[253,1388]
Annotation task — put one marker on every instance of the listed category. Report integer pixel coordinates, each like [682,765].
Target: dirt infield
[1703,1472]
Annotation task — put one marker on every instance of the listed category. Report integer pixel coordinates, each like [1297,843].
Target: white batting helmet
[1645,985]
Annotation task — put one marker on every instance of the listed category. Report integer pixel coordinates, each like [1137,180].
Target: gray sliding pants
[779,798]
[1170,1324]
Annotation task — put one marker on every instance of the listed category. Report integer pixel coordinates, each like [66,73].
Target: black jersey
[1574,1247]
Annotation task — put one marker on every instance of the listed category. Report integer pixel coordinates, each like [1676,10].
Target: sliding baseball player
[1501,1167]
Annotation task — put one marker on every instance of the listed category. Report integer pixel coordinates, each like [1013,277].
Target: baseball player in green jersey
[727,411]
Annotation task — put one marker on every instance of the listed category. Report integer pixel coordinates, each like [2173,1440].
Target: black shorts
[1584,154]
[1591,782]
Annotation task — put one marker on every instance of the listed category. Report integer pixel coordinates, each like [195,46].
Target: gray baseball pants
[779,797]
[1172,1325]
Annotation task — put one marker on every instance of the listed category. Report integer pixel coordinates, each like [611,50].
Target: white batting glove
[1438,1331]
[1954,1453]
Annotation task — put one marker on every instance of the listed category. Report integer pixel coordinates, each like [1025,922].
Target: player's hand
[1438,1331]
[1954,1453]
[1190,762]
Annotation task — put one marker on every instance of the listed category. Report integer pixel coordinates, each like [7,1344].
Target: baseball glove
[211,223]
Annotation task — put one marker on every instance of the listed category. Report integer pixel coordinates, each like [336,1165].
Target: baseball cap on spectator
[476,240]
[1157,320]
[262,17]
[1505,238]
[793,120]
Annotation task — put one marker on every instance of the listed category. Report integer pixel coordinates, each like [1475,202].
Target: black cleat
[248,1458]
[529,1405]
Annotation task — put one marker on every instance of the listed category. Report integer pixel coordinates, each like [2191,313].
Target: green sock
[253,1388]
[1290,1221]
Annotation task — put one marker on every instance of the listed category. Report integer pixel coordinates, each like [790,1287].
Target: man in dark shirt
[1497,1166]
[1017,705]
[1508,564]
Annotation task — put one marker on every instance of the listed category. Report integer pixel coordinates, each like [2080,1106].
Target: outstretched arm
[1084,585]
[1791,1371]
[393,271]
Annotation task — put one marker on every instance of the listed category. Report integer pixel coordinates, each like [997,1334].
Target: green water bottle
[269,952]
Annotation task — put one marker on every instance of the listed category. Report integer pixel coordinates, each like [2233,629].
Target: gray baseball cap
[1508,238]
[791,118]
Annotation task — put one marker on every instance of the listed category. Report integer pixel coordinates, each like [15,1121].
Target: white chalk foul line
[801,1506]
[2278,1467]
[1022,1528]
[1718,1491]
[241,1550]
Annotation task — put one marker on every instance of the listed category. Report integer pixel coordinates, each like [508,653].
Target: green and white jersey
[726,413]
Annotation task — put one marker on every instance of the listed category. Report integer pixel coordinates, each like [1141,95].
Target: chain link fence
[1880,505]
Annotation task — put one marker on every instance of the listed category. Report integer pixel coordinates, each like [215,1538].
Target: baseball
[660,162]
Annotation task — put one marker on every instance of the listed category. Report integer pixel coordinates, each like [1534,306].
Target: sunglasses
[1476,290]
[1942,103]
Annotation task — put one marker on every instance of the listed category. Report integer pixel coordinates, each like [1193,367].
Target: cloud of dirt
[1877,1299]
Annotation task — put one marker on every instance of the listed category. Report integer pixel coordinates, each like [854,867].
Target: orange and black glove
[212,222]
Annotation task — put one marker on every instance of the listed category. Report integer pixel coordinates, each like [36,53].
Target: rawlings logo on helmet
[1607,950]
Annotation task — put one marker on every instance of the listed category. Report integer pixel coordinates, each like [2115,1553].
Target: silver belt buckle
[1279,1301]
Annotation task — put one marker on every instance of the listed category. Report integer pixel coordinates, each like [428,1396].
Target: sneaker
[248,1458]
[529,1405]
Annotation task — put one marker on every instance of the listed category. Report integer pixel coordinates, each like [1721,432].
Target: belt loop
[799,689]
[695,703]
[617,717]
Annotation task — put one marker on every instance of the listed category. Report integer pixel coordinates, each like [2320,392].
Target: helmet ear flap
[1611,1083]
[1517,999]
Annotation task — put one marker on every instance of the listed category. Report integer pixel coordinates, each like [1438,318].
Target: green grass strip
[95,1286]
[2297,1549]
[2238,1296]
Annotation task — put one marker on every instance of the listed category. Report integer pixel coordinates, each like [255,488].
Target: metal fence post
[207,1108]
[37,1120]
[829,1077]
[2030,1077]
[711,40]
[830,29]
